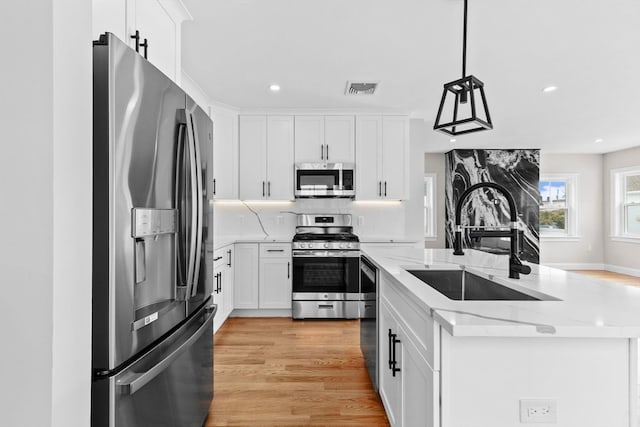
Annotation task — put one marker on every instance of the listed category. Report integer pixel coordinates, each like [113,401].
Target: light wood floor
[611,276]
[281,372]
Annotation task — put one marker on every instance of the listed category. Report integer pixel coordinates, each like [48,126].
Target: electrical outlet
[241,219]
[279,219]
[538,411]
[360,220]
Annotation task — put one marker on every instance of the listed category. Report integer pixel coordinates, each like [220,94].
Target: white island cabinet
[567,360]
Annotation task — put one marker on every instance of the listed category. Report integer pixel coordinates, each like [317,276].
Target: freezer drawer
[171,385]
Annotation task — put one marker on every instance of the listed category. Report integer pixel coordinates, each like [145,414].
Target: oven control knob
[342,246]
[302,245]
[310,245]
[326,245]
[349,245]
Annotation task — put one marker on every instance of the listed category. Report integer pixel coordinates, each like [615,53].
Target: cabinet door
[368,142]
[228,282]
[253,154]
[280,157]
[245,289]
[309,139]
[157,26]
[390,385]
[339,139]
[225,155]
[395,146]
[275,283]
[219,299]
[420,387]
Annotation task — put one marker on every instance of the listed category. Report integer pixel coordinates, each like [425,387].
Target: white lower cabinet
[409,387]
[222,284]
[263,276]
[246,276]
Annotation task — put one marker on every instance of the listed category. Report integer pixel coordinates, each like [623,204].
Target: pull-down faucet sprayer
[515,265]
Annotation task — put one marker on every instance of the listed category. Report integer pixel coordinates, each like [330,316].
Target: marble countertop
[221,241]
[581,307]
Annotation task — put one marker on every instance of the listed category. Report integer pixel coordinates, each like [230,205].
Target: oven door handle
[325,254]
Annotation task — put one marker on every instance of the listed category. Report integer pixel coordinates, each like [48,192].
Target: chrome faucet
[515,265]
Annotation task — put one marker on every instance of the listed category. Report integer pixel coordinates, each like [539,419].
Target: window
[429,207]
[557,206]
[626,203]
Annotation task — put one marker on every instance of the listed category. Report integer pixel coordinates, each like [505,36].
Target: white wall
[45,174]
[72,232]
[623,257]
[585,252]
[26,212]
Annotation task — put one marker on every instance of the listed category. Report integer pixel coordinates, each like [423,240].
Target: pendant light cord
[464,42]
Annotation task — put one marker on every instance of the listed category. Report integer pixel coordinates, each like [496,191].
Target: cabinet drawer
[275,250]
[425,331]
[223,257]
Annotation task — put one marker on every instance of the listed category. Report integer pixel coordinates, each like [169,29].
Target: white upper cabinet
[324,139]
[225,155]
[159,21]
[309,139]
[266,157]
[382,157]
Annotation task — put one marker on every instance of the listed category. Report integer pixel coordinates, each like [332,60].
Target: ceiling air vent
[361,88]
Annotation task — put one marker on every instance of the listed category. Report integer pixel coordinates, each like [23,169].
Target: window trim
[618,204]
[571,188]
[432,220]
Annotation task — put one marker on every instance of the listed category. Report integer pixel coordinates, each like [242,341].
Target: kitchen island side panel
[589,379]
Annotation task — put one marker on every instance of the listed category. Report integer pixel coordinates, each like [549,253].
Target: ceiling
[589,49]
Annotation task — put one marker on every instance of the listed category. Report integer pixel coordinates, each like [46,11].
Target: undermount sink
[462,285]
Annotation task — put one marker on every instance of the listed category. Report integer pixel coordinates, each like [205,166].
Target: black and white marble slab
[516,170]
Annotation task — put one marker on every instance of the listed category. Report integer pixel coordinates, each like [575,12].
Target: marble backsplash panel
[516,170]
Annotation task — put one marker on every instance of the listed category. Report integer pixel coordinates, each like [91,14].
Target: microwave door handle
[199,204]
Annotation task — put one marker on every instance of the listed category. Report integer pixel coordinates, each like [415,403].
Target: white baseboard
[622,270]
[244,312]
[575,266]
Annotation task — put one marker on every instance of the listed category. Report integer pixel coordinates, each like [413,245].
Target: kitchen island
[567,359]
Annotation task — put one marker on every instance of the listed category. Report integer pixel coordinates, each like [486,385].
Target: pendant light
[463,100]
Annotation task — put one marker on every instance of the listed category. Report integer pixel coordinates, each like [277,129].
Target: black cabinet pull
[262,188]
[288,270]
[221,288]
[214,186]
[217,284]
[218,258]
[229,253]
[389,361]
[269,188]
[136,37]
[385,189]
[394,363]
[145,45]
[321,151]
[379,188]
[275,250]
[327,151]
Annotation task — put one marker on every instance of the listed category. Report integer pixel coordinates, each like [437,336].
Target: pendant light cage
[463,100]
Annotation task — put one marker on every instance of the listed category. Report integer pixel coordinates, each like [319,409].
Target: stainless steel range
[326,268]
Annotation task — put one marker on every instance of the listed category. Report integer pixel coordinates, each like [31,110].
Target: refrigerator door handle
[183,232]
[194,201]
[138,380]
[199,204]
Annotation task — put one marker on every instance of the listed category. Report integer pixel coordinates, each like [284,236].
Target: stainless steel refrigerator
[152,339]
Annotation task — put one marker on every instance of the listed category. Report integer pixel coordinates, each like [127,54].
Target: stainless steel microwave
[324,180]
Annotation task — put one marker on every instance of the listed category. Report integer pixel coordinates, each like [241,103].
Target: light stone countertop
[221,241]
[584,306]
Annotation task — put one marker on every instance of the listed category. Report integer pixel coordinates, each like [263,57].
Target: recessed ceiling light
[274,88]
[452,140]
[598,140]
[550,89]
